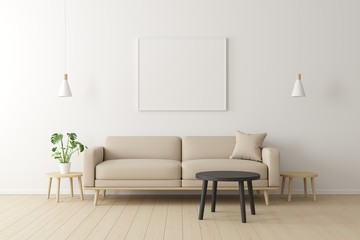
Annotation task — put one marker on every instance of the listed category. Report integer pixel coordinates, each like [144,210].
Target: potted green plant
[62,152]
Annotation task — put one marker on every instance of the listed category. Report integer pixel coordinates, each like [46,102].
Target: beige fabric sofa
[170,163]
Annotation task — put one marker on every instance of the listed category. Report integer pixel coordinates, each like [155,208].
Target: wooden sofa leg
[258,193]
[96,197]
[266,196]
[104,194]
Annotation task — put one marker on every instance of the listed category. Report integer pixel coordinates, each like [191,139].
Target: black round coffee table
[228,176]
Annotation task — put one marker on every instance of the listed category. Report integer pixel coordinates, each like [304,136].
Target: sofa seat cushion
[143,184]
[138,169]
[191,167]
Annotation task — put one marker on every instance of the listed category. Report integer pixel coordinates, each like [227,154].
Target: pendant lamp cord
[65,31]
[298,36]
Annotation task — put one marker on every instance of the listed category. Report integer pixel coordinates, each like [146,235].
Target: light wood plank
[262,224]
[27,229]
[208,227]
[122,225]
[54,224]
[28,208]
[232,207]
[174,219]
[226,227]
[157,223]
[68,227]
[13,201]
[103,228]
[191,226]
[85,227]
[299,223]
[13,228]
[331,218]
[140,224]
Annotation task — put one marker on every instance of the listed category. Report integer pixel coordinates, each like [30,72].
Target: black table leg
[214,192]
[202,201]
[251,194]
[242,201]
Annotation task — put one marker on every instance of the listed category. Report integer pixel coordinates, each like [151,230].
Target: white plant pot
[64,168]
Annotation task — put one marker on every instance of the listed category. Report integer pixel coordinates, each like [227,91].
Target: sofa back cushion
[123,147]
[207,147]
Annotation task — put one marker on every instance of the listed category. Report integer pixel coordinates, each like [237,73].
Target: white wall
[268,43]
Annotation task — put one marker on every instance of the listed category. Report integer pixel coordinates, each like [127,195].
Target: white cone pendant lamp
[64,90]
[298,90]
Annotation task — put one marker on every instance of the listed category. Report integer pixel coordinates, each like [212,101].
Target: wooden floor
[158,217]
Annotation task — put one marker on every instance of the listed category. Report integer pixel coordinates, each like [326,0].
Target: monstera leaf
[56,137]
[63,152]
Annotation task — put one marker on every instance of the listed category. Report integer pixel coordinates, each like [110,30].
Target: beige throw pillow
[248,146]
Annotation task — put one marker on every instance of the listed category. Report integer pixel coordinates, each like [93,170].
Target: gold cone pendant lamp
[64,90]
[298,90]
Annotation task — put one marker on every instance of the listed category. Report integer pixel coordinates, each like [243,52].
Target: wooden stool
[70,175]
[303,175]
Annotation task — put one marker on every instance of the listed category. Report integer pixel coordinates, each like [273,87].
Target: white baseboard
[37,191]
[329,191]
[76,191]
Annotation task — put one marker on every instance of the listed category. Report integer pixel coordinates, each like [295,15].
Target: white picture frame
[182,73]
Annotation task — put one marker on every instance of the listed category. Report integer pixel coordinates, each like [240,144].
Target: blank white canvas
[182,74]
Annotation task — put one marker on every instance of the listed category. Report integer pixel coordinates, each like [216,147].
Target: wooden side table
[303,175]
[70,175]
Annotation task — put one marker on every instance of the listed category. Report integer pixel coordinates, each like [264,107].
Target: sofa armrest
[92,157]
[271,157]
